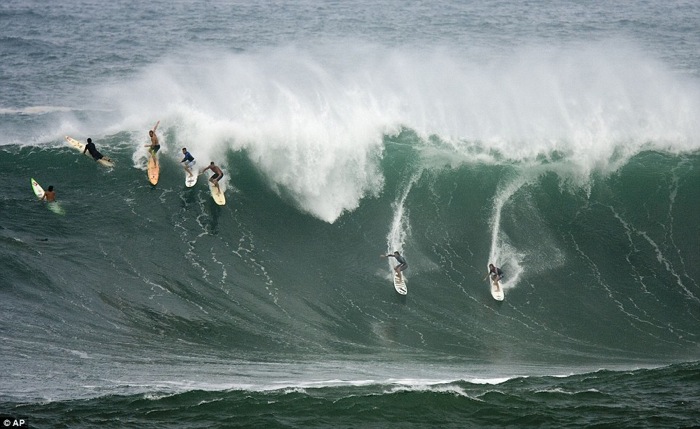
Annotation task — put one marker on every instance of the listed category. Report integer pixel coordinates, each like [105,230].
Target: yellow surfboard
[153,170]
[217,194]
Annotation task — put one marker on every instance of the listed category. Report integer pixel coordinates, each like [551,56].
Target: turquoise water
[557,140]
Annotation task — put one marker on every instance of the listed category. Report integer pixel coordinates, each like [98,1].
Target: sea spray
[313,118]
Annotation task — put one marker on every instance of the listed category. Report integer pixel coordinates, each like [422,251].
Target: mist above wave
[313,119]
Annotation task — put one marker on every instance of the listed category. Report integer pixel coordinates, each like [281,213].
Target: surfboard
[190,181]
[400,284]
[153,170]
[497,291]
[107,162]
[39,192]
[217,195]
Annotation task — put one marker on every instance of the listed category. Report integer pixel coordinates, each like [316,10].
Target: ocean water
[559,140]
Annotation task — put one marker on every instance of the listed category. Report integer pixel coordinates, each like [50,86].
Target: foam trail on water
[502,254]
[400,225]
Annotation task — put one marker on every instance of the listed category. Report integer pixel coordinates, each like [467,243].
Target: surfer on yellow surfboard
[155,144]
[218,174]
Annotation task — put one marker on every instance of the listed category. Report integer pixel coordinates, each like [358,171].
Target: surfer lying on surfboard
[496,275]
[400,259]
[90,147]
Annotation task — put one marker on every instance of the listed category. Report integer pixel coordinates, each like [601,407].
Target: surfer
[49,195]
[155,145]
[188,160]
[400,259]
[496,275]
[96,155]
[218,174]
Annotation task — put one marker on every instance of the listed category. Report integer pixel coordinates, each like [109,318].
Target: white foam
[312,119]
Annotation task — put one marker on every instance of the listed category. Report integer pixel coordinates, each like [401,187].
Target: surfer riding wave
[400,259]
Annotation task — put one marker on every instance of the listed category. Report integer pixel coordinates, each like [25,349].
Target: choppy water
[559,140]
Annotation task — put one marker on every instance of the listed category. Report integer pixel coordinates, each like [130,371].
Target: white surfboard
[217,195]
[400,284]
[107,162]
[497,291]
[190,181]
[39,192]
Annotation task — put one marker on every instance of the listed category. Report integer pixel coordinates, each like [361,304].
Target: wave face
[605,272]
[565,150]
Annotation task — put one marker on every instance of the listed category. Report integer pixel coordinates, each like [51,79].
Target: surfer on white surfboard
[218,174]
[496,275]
[188,161]
[400,259]
[96,155]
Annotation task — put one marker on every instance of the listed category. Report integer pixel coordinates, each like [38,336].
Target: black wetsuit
[496,274]
[402,262]
[90,147]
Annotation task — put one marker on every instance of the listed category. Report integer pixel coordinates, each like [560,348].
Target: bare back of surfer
[49,195]
[218,174]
